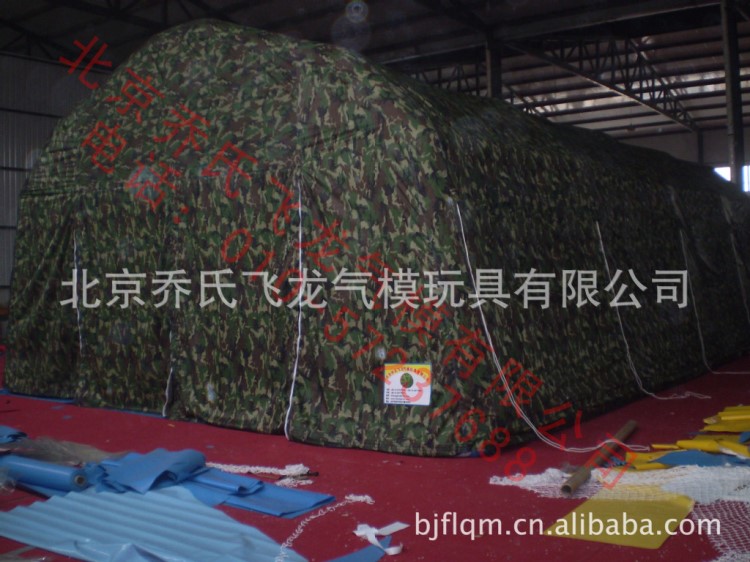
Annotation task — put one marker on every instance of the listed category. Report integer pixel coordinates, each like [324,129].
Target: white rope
[293,482]
[631,363]
[170,379]
[288,470]
[79,318]
[698,320]
[299,318]
[349,499]
[512,398]
[291,475]
[737,261]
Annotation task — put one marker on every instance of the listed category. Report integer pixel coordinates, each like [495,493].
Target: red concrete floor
[400,485]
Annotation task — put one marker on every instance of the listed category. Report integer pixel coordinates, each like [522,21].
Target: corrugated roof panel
[168,525]
[7,243]
[10,188]
[40,86]
[23,138]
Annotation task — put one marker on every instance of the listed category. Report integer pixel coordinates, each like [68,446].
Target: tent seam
[501,370]
[697,318]
[299,318]
[629,357]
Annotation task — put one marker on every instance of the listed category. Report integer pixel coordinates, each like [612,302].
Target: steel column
[734,96]
[494,57]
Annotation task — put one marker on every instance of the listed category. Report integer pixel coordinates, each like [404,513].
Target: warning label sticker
[408,384]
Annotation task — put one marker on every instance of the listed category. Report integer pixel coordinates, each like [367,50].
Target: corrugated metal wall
[34,94]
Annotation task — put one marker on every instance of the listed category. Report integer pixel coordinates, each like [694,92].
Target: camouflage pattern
[382,165]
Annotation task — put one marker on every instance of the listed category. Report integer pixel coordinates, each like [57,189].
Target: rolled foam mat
[45,477]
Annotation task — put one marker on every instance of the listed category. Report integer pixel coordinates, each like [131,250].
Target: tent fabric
[10,435]
[46,478]
[162,469]
[141,473]
[217,147]
[165,525]
[369,553]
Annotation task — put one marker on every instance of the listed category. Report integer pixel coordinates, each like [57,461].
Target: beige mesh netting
[721,493]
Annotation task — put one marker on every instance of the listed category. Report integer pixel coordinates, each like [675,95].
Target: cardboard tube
[581,475]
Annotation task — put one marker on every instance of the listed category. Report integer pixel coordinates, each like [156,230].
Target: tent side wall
[262,159]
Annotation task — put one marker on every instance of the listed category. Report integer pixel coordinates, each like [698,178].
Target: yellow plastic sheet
[731,414]
[735,448]
[608,518]
[731,426]
[664,447]
[716,443]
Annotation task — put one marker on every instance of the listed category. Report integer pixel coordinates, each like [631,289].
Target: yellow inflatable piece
[710,443]
[606,518]
[645,461]
[731,426]
[731,413]
[733,447]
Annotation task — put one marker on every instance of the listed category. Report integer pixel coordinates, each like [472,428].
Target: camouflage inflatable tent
[220,166]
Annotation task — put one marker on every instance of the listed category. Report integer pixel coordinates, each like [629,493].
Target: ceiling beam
[661,87]
[458,73]
[457,35]
[33,13]
[640,82]
[661,98]
[414,62]
[651,135]
[588,17]
[38,39]
[695,70]
[460,13]
[228,11]
[111,13]
[212,12]
[12,42]
[564,21]
[184,9]
[302,18]
[583,120]
[437,60]
[603,119]
[661,125]
[457,12]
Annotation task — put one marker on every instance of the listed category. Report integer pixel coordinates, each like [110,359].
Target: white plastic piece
[371,534]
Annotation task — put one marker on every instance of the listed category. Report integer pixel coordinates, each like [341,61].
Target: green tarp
[217,147]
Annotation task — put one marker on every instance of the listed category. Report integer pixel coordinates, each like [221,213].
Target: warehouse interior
[667,75]
[649,73]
